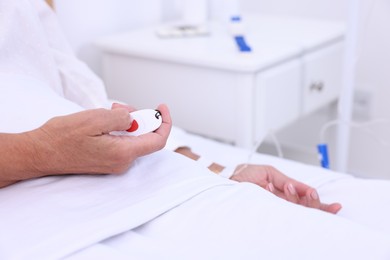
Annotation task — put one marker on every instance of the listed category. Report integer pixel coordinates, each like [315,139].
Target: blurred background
[369,148]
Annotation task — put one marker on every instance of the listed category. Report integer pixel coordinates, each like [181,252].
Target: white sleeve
[24,48]
[79,83]
[32,44]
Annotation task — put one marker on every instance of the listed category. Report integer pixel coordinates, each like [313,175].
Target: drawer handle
[317,86]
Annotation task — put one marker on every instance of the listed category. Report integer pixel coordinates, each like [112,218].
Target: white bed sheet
[169,207]
[255,224]
[51,217]
[245,222]
[360,197]
[165,206]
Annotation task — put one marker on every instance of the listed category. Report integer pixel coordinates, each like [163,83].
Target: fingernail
[271,187]
[314,195]
[291,189]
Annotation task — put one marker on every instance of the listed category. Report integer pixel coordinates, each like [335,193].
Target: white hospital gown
[164,207]
[32,44]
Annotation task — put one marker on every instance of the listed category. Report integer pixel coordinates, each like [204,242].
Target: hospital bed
[169,207]
[82,217]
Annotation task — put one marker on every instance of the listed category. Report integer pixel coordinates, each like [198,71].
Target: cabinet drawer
[201,100]
[322,77]
[277,97]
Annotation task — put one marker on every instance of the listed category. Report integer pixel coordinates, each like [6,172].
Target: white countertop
[273,39]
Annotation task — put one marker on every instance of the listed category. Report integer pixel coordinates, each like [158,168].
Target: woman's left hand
[283,186]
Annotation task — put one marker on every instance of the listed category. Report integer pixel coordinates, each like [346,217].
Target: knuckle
[161,144]
[123,116]
[121,112]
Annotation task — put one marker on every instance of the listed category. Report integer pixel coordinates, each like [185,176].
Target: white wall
[369,152]
[84,20]
[321,9]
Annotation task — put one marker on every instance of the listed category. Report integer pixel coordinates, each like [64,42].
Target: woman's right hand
[80,144]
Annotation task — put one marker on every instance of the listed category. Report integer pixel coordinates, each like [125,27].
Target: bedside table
[216,91]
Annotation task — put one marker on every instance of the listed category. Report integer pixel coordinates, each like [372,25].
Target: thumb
[118,105]
[114,120]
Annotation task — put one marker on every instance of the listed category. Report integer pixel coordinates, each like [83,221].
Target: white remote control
[144,121]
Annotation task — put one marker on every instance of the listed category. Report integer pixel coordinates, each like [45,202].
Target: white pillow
[26,103]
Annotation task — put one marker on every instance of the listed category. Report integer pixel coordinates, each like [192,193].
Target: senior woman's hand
[283,186]
[79,144]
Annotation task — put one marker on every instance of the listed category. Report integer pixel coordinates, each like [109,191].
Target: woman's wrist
[18,158]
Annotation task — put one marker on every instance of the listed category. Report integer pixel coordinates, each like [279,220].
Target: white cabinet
[322,75]
[213,90]
[206,101]
[277,97]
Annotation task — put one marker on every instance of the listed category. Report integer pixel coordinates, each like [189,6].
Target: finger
[302,189]
[312,199]
[291,193]
[166,116]
[166,125]
[118,105]
[156,140]
[114,120]
[276,192]
[270,187]
[333,208]
[280,180]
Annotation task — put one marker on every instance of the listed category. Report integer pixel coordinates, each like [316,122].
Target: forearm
[17,158]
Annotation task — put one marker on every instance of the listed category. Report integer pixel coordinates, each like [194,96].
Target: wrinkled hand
[80,143]
[282,186]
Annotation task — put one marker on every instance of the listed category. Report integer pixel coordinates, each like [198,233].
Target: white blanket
[169,207]
[54,216]
[165,206]
[49,218]
[181,211]
[365,201]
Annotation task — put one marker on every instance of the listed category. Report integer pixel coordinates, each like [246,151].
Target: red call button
[133,127]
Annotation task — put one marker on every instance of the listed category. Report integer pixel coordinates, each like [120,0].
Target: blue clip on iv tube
[323,155]
[238,34]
